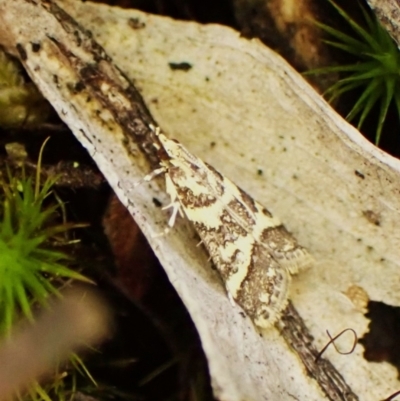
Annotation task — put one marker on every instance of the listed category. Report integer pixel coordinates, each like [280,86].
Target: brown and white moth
[252,250]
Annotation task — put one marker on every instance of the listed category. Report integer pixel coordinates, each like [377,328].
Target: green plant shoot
[29,269]
[377,71]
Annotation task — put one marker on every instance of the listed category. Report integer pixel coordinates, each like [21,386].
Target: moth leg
[154,174]
[175,204]
[149,177]
[230,297]
[199,243]
[176,208]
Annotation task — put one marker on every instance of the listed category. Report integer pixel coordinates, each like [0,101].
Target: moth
[253,252]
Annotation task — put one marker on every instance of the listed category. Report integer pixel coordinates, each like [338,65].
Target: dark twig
[392,396]
[300,340]
[332,341]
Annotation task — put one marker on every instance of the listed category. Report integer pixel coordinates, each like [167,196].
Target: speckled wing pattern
[253,252]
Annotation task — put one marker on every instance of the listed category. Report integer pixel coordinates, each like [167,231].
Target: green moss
[376,71]
[31,270]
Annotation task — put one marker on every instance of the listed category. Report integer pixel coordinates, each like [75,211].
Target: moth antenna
[150,176]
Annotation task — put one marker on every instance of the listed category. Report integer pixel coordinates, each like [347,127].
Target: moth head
[175,150]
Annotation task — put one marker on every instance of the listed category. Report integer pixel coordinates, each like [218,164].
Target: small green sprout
[377,71]
[29,269]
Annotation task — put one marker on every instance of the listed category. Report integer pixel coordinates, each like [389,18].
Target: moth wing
[263,226]
[251,249]
[264,292]
[252,277]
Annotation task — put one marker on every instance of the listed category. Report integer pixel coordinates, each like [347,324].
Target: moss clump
[376,69]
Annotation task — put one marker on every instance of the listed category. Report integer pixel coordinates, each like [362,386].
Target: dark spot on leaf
[135,23]
[79,86]
[372,217]
[35,47]
[156,202]
[184,66]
